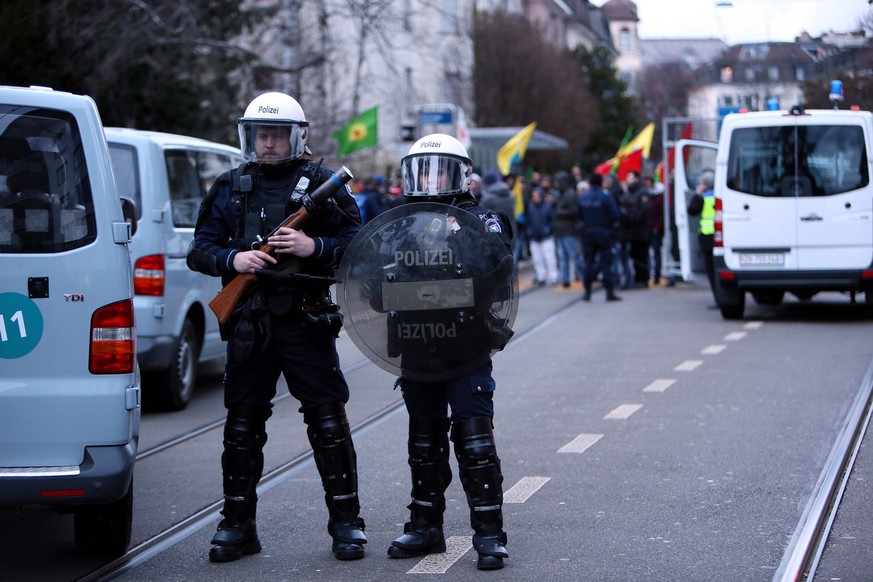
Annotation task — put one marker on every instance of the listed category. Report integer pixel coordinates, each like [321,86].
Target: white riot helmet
[273,116]
[436,165]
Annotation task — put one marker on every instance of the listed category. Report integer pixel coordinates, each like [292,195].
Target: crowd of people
[552,229]
[551,232]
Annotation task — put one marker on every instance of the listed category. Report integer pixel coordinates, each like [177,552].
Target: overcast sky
[746,20]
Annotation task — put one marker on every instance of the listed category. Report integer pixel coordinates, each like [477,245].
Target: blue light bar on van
[836,91]
[773,104]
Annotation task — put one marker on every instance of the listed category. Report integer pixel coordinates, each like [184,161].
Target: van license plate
[762,260]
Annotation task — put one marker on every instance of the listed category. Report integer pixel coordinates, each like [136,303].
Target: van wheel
[171,389]
[768,297]
[731,303]
[804,295]
[868,301]
[104,529]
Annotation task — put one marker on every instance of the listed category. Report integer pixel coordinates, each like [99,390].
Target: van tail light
[868,274]
[148,275]
[113,339]
[718,235]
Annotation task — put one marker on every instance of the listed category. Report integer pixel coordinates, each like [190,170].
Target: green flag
[359,133]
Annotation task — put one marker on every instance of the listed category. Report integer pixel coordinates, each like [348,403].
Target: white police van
[794,204]
[69,383]
[167,176]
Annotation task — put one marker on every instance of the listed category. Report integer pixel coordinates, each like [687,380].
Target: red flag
[630,162]
[606,167]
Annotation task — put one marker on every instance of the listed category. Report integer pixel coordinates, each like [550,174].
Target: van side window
[46,204]
[186,191]
[191,173]
[126,167]
[806,160]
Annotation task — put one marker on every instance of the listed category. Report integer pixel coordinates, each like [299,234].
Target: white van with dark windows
[794,205]
[69,383]
[167,176]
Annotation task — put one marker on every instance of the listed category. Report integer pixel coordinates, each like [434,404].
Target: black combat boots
[479,469]
[428,447]
[242,464]
[331,440]
[237,534]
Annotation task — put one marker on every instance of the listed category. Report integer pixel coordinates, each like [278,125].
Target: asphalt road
[641,440]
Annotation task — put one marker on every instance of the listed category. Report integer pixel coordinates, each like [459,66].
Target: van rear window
[803,160]
[46,205]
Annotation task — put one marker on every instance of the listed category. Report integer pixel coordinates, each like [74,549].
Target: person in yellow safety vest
[703,204]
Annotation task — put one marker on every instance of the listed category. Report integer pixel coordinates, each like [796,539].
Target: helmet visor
[272,143]
[435,175]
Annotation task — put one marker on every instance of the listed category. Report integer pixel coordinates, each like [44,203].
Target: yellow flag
[513,150]
[518,197]
[643,141]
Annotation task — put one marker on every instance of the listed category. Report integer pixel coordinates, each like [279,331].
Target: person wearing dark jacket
[498,196]
[437,169]
[656,225]
[540,227]
[566,221]
[635,204]
[599,217]
[270,333]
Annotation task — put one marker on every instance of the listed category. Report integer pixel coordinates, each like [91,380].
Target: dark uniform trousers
[470,426]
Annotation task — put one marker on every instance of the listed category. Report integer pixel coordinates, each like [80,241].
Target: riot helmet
[273,129]
[436,165]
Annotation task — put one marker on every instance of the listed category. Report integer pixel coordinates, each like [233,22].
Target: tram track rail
[805,549]
[219,422]
[180,530]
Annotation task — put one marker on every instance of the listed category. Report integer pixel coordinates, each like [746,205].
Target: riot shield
[427,291]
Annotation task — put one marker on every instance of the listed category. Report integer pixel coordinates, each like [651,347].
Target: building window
[773,73]
[407,15]
[727,75]
[450,24]
[624,40]
[409,91]
[627,79]
[453,88]
[800,73]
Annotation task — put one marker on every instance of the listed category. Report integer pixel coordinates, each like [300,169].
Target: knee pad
[474,442]
[327,425]
[428,439]
[331,440]
[478,463]
[245,426]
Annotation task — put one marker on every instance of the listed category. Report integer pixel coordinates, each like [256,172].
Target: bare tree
[520,78]
[663,92]
[156,64]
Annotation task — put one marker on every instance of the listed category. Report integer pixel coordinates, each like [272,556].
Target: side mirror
[128,211]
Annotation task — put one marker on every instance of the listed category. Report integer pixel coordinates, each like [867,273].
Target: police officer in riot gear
[438,169]
[286,325]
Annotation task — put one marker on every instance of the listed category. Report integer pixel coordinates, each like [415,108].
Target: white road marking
[622,412]
[456,547]
[580,443]
[713,349]
[687,365]
[735,336]
[753,325]
[659,385]
[521,491]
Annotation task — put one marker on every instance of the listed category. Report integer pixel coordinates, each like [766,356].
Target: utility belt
[294,298]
